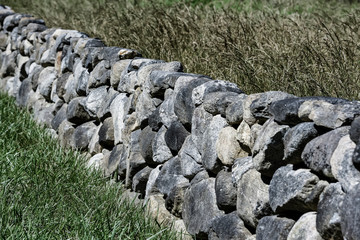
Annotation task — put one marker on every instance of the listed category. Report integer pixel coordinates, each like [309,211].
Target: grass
[301,47]
[47,193]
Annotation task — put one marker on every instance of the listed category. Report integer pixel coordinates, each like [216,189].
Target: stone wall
[223,164]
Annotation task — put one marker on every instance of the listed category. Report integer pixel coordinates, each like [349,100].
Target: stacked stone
[204,155]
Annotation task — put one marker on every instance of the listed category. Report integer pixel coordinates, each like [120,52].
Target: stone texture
[244,136]
[166,111]
[114,161]
[190,159]
[151,188]
[145,106]
[140,179]
[295,190]
[116,70]
[104,111]
[66,131]
[274,227]
[317,153]
[106,133]
[355,130]
[328,220]
[22,95]
[229,227]
[305,228]
[199,207]
[95,162]
[76,112]
[349,213]
[268,150]
[46,78]
[147,137]
[83,134]
[119,108]
[227,146]
[70,89]
[225,191]
[217,102]
[175,136]
[175,199]
[201,120]
[100,75]
[94,145]
[59,117]
[234,112]
[95,100]
[161,152]
[240,167]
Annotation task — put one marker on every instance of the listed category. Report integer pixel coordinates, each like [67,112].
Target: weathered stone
[208,151]
[203,174]
[327,114]
[119,109]
[116,70]
[252,198]
[66,131]
[166,110]
[295,140]
[240,167]
[268,150]
[234,112]
[199,207]
[140,179]
[217,102]
[356,157]
[95,162]
[46,79]
[115,160]
[94,145]
[274,227]
[229,227]
[60,84]
[81,76]
[349,213]
[147,137]
[295,190]
[144,72]
[247,115]
[76,112]
[305,228]
[328,220]
[95,100]
[175,136]
[44,114]
[244,136]
[154,120]
[342,167]
[227,146]
[190,158]
[151,187]
[104,110]
[70,89]
[22,95]
[317,153]
[175,199]
[170,176]
[161,152]
[83,134]
[59,117]
[145,106]
[106,133]
[201,120]
[355,130]
[225,191]
[100,75]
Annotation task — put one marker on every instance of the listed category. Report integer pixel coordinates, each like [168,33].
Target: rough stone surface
[234,112]
[175,136]
[305,228]
[268,150]
[244,136]
[295,190]
[76,112]
[190,159]
[119,108]
[113,162]
[217,102]
[83,134]
[200,208]
[161,152]
[349,213]
[355,130]
[225,191]
[201,120]
[106,133]
[46,78]
[59,117]
[328,220]
[95,100]
[140,179]
[66,131]
[317,153]
[166,111]
[95,162]
[175,199]
[147,137]
[274,227]
[151,188]
[240,167]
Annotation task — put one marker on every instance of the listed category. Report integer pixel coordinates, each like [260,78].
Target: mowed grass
[46,192]
[309,47]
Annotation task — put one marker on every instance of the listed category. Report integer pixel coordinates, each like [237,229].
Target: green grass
[308,47]
[47,193]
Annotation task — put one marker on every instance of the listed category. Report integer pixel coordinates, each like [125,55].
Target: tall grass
[302,47]
[47,193]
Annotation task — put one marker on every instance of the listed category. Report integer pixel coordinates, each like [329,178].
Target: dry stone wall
[201,152]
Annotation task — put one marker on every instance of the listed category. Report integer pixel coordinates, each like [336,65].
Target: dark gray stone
[145,106]
[100,75]
[190,158]
[155,120]
[349,213]
[199,177]
[70,89]
[200,208]
[76,112]
[200,122]
[225,191]
[274,227]
[295,190]
[147,137]
[140,180]
[217,102]
[83,134]
[161,152]
[356,157]
[268,150]
[229,227]
[234,112]
[175,199]
[116,161]
[60,116]
[22,95]
[104,111]
[295,140]
[60,84]
[328,220]
[355,130]
[175,136]
[45,81]
[95,100]
[106,133]
[317,153]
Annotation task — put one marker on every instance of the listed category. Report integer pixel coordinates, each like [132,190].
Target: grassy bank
[47,193]
[302,47]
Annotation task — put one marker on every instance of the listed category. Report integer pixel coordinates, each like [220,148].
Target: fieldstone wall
[203,154]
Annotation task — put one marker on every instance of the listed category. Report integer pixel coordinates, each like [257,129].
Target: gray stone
[327,114]
[355,130]
[225,191]
[81,76]
[94,145]
[22,95]
[328,220]
[227,146]
[305,228]
[295,140]
[190,158]
[151,187]
[208,150]
[200,208]
[217,102]
[100,75]
[104,111]
[175,199]
[76,112]
[342,167]
[175,136]
[147,137]
[252,198]
[106,133]
[46,79]
[145,106]
[274,227]
[144,72]
[247,115]
[116,162]
[317,153]
[295,190]
[95,100]
[66,131]
[161,152]
[83,134]
[44,114]
[356,157]
[349,213]
[116,70]
[166,111]
[140,179]
[154,120]
[60,84]
[200,122]
[170,176]
[119,108]
[95,162]
[268,150]
[70,89]
[244,136]
[59,117]
[240,167]
[234,112]
[229,227]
